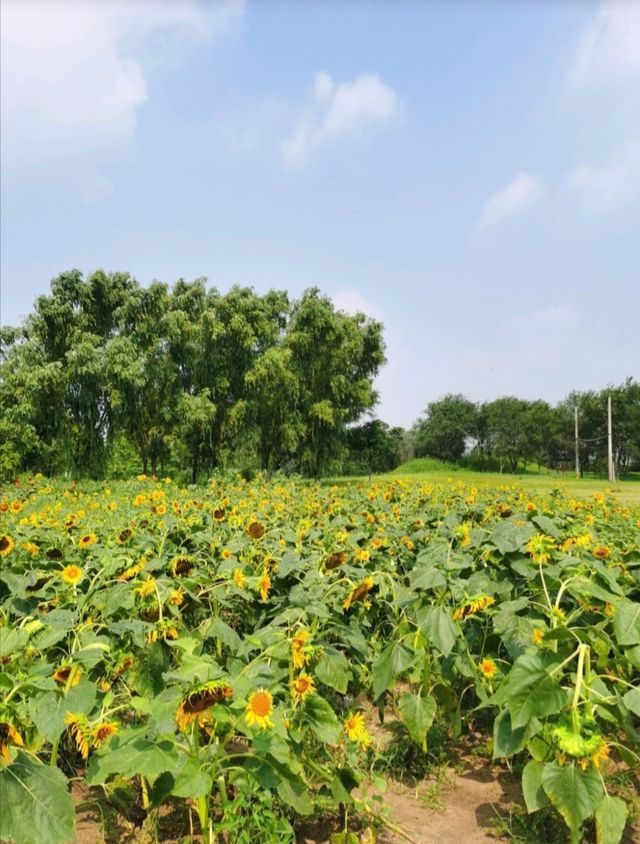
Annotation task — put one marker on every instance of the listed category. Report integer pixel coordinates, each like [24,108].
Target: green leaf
[36,804]
[626,623]
[139,756]
[323,721]
[427,578]
[393,660]
[438,626]
[149,666]
[632,700]
[192,781]
[531,690]
[417,715]
[534,795]
[333,670]
[506,740]
[218,629]
[611,819]
[296,794]
[49,710]
[574,793]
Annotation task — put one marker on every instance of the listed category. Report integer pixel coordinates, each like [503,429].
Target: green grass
[433,471]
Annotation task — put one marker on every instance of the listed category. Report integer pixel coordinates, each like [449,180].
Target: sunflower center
[261,704]
[4,543]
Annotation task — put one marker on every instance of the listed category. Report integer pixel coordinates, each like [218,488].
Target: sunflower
[87,540]
[256,530]
[219,514]
[360,593]
[264,586]
[355,729]
[473,606]
[601,552]
[72,574]
[81,732]
[299,649]
[302,686]
[67,674]
[259,709]
[239,579]
[540,547]
[124,536]
[103,731]
[16,506]
[8,733]
[194,706]
[538,636]
[6,545]
[488,668]
[182,565]
[176,597]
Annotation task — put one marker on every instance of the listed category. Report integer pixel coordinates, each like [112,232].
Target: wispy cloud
[73,77]
[609,45]
[523,191]
[610,185]
[337,111]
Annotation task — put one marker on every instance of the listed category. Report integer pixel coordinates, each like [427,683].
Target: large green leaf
[611,819]
[49,710]
[323,721]
[534,795]
[573,792]
[531,690]
[626,622]
[35,804]
[417,714]
[438,626]
[506,740]
[192,781]
[333,670]
[632,700]
[139,756]
[393,660]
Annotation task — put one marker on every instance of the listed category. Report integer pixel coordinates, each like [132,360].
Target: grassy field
[431,471]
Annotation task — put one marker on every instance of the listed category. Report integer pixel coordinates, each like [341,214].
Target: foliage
[182,375]
[222,645]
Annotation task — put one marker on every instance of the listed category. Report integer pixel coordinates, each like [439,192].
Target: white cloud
[612,184]
[609,46]
[353,302]
[337,111]
[523,191]
[73,77]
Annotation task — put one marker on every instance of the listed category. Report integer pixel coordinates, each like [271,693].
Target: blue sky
[469,173]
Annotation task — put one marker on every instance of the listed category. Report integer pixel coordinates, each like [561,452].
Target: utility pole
[577,444]
[612,470]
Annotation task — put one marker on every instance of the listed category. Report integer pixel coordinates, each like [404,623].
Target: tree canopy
[182,374]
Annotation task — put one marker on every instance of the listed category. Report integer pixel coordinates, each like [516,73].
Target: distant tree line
[511,433]
[106,375]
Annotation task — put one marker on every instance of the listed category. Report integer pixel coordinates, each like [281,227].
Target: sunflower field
[220,647]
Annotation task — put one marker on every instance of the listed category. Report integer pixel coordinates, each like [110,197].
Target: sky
[467,173]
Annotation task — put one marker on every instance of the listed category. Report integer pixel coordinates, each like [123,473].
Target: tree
[444,430]
[335,358]
[373,447]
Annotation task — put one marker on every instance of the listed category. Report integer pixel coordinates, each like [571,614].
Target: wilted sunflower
[194,706]
[8,734]
[360,593]
[72,574]
[473,606]
[300,649]
[81,732]
[87,540]
[302,686]
[182,565]
[264,586]
[124,536]
[259,709]
[540,548]
[6,545]
[67,673]
[256,530]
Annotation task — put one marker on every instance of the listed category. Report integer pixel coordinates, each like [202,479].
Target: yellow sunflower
[195,706]
[103,731]
[239,579]
[488,668]
[259,709]
[87,540]
[356,730]
[360,593]
[6,545]
[72,574]
[302,686]
[264,586]
[299,649]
